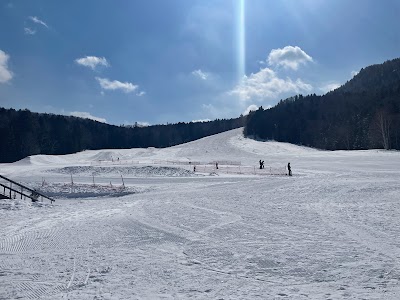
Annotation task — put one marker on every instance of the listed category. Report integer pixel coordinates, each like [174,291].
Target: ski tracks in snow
[37,261]
[361,218]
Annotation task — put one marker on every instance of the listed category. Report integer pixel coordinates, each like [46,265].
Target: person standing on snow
[289,169]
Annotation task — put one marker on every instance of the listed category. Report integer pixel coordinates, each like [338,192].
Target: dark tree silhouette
[364,113]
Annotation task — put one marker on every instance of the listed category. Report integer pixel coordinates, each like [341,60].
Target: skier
[216,165]
[261,164]
[289,169]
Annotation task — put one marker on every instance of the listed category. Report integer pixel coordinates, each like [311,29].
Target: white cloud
[354,73]
[201,121]
[126,87]
[38,21]
[5,73]
[252,107]
[289,57]
[29,31]
[329,87]
[86,115]
[136,124]
[200,74]
[142,124]
[141,93]
[92,61]
[266,84]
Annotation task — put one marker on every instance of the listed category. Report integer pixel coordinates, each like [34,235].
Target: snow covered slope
[329,232]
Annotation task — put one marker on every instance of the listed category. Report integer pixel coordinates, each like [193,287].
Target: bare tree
[383,123]
[345,135]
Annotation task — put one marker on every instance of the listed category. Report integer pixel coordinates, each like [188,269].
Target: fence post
[123,183]
[72,184]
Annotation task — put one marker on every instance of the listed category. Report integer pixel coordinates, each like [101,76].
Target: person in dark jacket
[289,169]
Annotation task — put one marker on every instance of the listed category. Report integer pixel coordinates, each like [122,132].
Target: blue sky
[165,61]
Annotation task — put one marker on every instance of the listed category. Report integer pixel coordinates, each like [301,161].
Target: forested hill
[25,133]
[364,113]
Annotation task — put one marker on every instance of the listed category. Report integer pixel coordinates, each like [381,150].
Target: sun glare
[241,31]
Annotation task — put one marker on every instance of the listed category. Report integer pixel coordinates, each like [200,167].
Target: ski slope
[140,224]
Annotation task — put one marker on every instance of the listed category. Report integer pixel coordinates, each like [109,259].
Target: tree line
[362,114]
[25,133]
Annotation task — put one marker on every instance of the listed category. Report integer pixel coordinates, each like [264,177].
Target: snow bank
[146,171]
[58,190]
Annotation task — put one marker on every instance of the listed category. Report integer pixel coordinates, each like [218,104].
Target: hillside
[384,76]
[362,114]
[25,133]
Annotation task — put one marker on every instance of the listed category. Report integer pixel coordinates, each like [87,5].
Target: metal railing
[16,189]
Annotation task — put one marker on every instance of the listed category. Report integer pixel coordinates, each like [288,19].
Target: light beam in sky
[241,41]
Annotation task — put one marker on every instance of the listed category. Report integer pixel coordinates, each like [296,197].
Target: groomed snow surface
[140,224]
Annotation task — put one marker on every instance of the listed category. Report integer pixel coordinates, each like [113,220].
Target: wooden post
[123,183]
[72,185]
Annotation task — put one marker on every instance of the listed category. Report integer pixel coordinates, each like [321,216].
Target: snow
[166,232]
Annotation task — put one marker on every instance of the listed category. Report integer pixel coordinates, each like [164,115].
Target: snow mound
[23,162]
[41,160]
[105,155]
[146,171]
[266,147]
[229,146]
